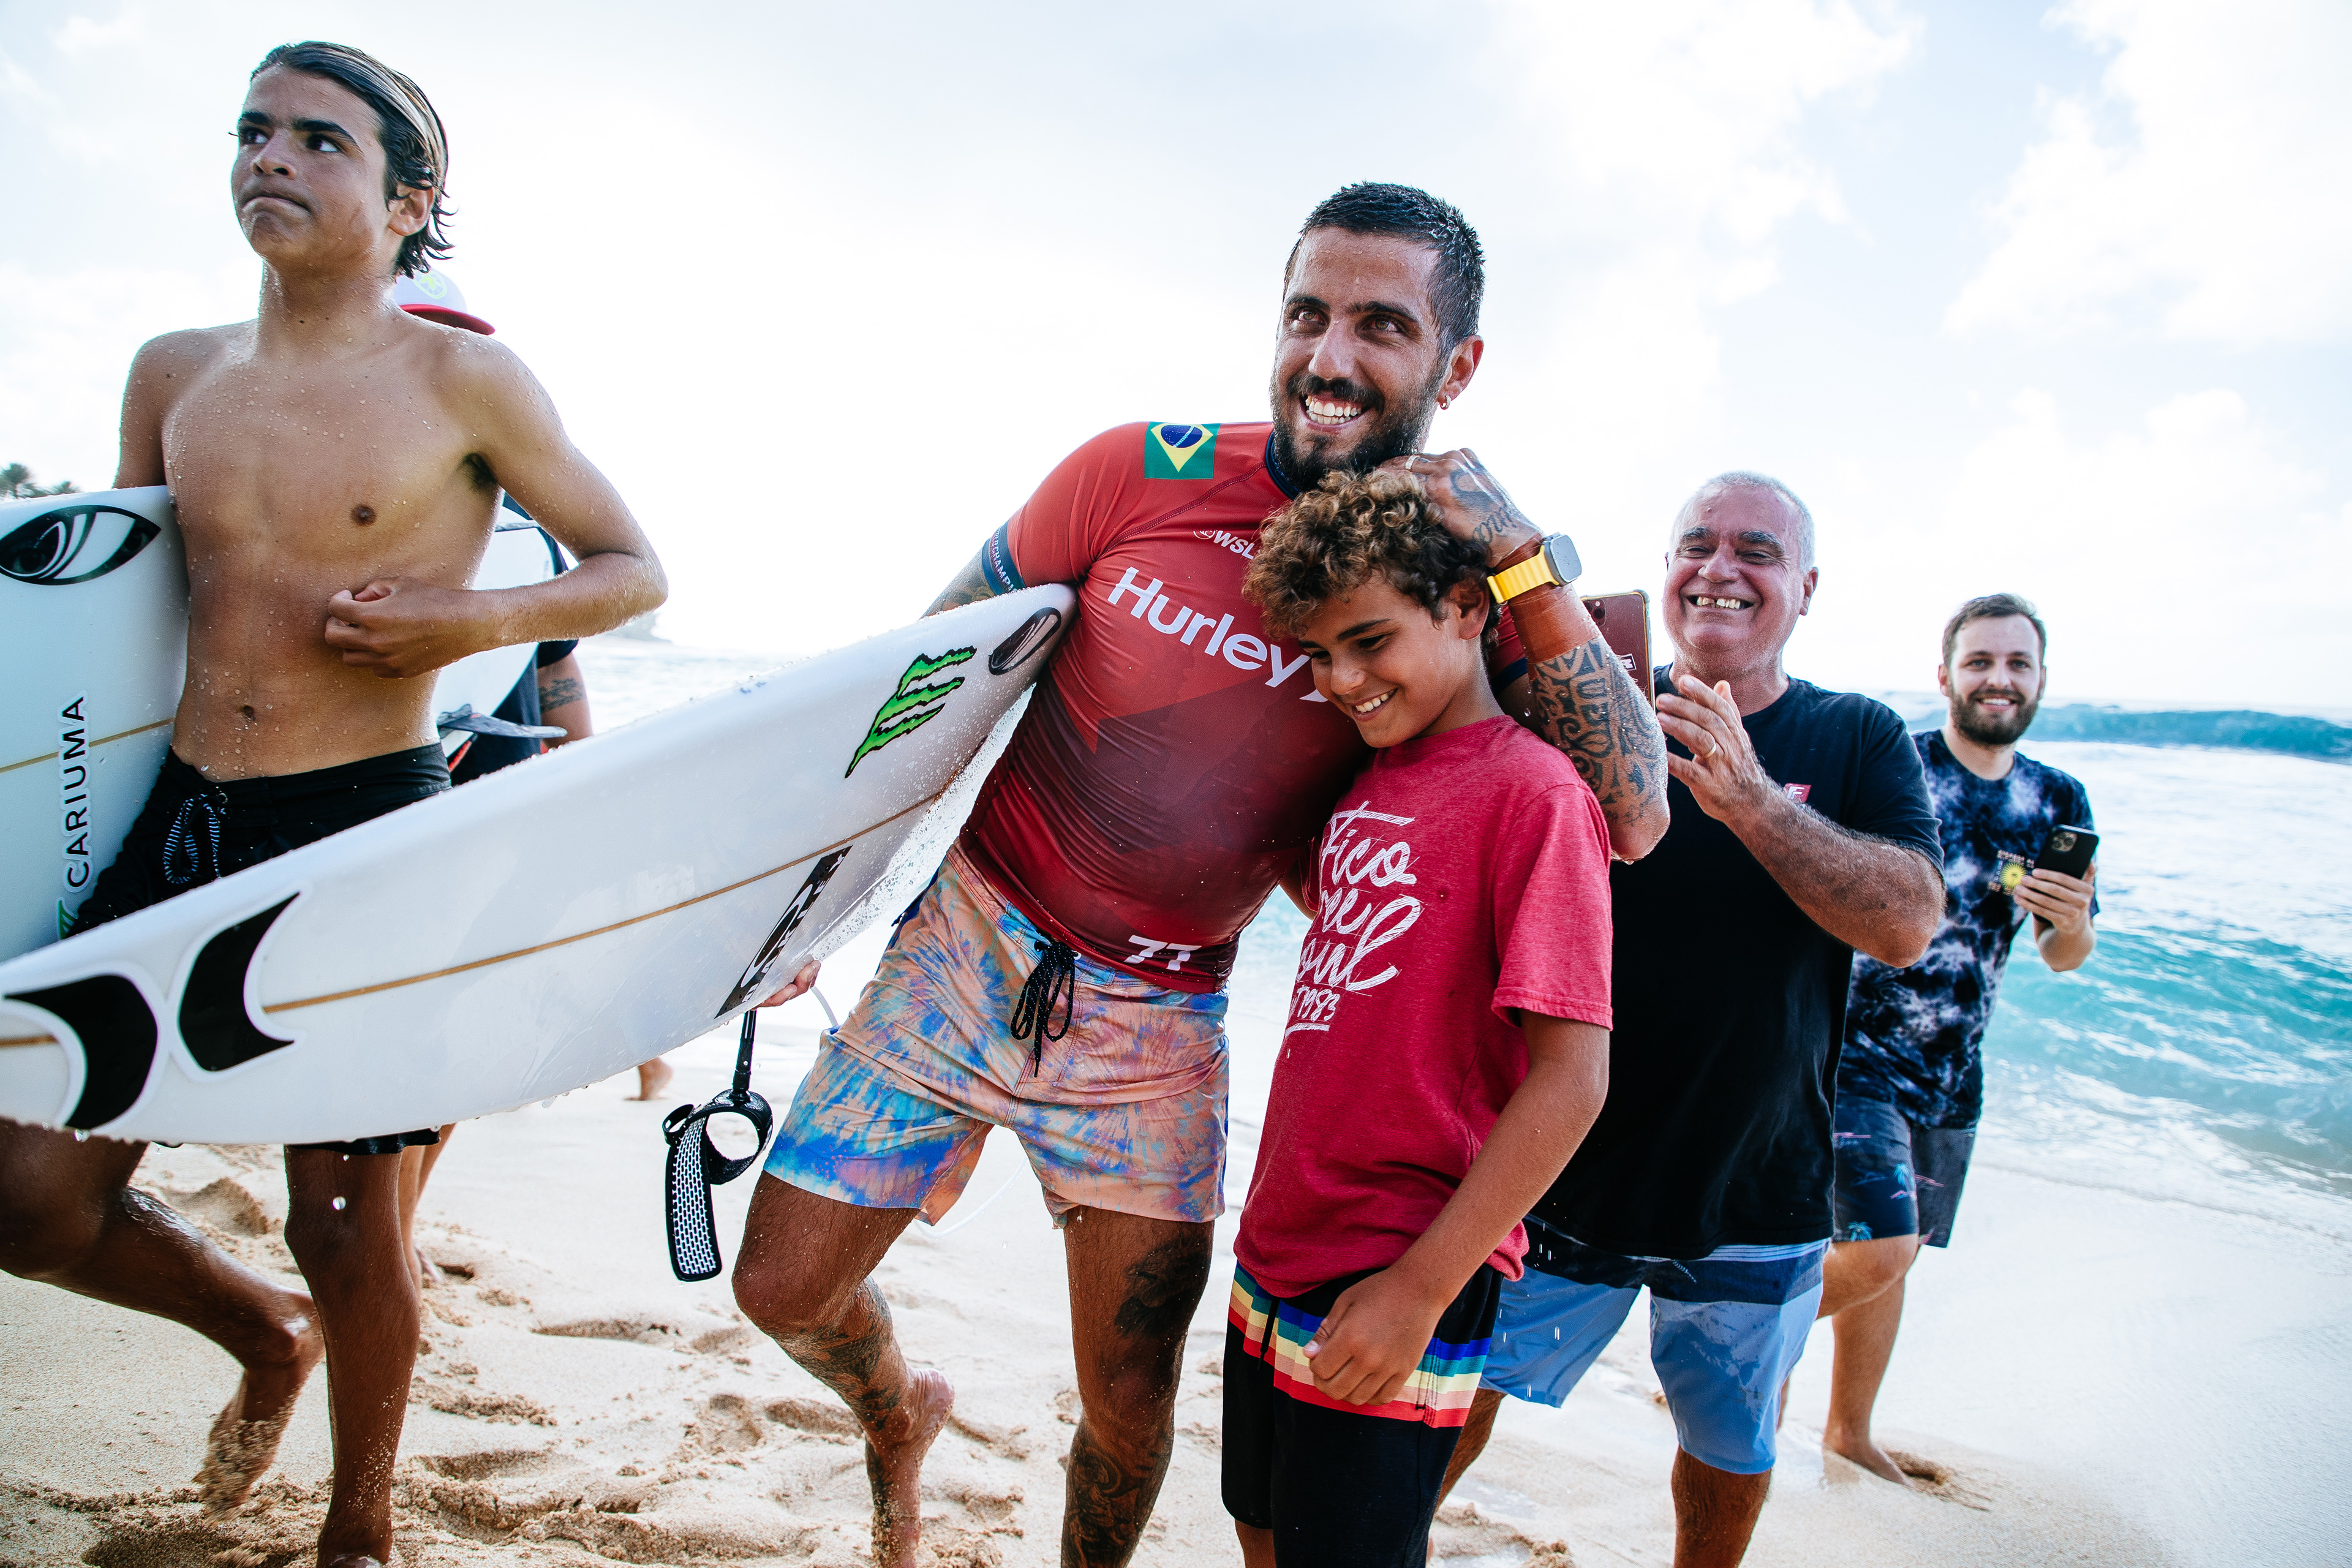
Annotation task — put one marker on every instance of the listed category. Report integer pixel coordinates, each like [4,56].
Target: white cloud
[1691,111]
[1660,148]
[2201,186]
[66,344]
[2185,558]
[79,35]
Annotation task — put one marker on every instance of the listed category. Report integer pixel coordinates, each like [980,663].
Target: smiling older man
[1801,831]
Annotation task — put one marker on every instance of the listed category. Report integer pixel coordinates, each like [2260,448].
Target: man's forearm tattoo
[561,693]
[970,587]
[1585,703]
[847,1357]
[1108,1503]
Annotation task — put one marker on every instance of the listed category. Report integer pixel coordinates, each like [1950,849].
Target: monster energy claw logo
[912,705]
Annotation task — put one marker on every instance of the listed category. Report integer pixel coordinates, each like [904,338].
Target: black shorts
[1343,1486]
[192,831]
[1896,1177]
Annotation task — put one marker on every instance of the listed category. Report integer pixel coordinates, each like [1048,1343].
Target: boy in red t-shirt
[1448,1044]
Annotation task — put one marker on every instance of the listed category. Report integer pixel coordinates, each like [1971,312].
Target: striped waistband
[1436,1393]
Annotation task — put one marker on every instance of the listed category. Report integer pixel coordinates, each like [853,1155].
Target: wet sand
[576,1406]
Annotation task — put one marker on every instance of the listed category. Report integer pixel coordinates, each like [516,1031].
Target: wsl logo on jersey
[1179,451]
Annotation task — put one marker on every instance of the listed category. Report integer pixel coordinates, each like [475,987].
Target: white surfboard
[94,635]
[537,930]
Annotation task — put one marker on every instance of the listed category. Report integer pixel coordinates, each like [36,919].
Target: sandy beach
[574,1405]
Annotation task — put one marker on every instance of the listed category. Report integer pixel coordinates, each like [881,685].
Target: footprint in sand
[726,1424]
[1939,1481]
[813,1416]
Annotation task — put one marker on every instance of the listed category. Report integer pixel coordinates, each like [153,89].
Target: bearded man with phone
[2018,845]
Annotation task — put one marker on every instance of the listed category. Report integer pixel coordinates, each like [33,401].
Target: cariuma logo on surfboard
[913,704]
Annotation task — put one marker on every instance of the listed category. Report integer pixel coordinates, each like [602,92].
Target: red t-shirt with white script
[1175,758]
[1462,874]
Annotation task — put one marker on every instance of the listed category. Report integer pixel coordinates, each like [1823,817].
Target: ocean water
[2204,1053]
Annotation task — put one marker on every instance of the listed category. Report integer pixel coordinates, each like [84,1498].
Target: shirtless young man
[335,463]
[1064,976]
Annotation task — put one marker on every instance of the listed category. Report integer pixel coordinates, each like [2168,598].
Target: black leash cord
[689,1178]
[1056,974]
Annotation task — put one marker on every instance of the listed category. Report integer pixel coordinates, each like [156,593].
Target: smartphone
[1624,622]
[2069,850]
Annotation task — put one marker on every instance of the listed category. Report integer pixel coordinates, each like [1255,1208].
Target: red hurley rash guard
[1174,759]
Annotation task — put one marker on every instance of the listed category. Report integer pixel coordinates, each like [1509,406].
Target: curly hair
[1330,541]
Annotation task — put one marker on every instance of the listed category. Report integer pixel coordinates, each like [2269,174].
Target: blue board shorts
[1725,1331]
[1896,1177]
[1124,1112]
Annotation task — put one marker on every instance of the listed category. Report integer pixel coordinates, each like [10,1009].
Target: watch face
[1560,550]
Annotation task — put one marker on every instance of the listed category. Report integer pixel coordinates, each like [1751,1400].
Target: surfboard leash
[689,1178]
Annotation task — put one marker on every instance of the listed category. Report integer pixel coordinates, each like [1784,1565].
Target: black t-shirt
[1731,1002]
[484,754]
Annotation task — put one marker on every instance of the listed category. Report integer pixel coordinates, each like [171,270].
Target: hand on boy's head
[1373,1337]
[398,627]
[1468,501]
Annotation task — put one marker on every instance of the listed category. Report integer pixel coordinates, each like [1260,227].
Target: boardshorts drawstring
[1056,974]
[196,842]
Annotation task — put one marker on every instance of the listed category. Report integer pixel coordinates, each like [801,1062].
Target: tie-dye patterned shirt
[1912,1035]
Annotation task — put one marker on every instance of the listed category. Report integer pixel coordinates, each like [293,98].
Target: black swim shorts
[1896,1177]
[192,831]
[1343,1486]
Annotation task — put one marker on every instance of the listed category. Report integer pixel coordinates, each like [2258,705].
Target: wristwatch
[1555,562]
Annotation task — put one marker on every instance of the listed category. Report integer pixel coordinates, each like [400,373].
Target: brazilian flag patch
[1179,451]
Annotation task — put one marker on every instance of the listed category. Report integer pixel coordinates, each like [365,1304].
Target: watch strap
[1537,571]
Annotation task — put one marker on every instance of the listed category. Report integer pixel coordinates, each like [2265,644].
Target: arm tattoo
[1586,704]
[561,693]
[970,587]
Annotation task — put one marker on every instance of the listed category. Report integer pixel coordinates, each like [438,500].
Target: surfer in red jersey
[1064,976]
[335,463]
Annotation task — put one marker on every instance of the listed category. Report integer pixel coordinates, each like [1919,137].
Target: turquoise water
[2205,1051]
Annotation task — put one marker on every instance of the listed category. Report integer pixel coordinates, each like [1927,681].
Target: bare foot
[652,1077]
[245,1436]
[896,1471]
[1866,1454]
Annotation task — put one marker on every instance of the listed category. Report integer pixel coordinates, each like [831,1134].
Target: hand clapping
[1721,772]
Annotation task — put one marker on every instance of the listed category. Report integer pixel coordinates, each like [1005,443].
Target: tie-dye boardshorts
[1894,1177]
[1124,1112]
[1343,1483]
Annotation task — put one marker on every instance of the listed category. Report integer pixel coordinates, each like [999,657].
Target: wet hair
[1458,285]
[416,148]
[1332,540]
[1742,479]
[1993,607]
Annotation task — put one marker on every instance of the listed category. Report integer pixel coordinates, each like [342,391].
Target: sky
[2051,301]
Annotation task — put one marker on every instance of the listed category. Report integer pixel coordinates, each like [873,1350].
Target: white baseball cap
[436,297]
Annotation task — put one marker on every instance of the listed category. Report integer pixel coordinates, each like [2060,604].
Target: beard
[1994,729]
[1391,433]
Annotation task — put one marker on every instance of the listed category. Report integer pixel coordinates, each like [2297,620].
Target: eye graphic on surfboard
[73,544]
[1016,650]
